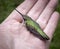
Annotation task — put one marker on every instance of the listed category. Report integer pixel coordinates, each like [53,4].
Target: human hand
[14,35]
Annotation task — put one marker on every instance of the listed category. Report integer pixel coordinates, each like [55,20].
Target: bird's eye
[24,18]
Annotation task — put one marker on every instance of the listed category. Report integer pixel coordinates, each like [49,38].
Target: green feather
[34,27]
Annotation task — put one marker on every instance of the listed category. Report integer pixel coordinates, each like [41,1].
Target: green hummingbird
[34,27]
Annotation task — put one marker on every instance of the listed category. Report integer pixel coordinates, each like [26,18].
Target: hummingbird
[33,27]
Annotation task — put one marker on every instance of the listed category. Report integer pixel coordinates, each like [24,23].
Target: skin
[14,35]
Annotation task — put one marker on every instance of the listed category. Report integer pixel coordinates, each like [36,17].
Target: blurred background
[7,6]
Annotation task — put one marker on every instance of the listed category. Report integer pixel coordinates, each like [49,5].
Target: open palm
[13,33]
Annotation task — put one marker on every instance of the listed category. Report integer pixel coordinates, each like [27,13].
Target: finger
[37,9]
[26,6]
[23,8]
[50,28]
[44,17]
